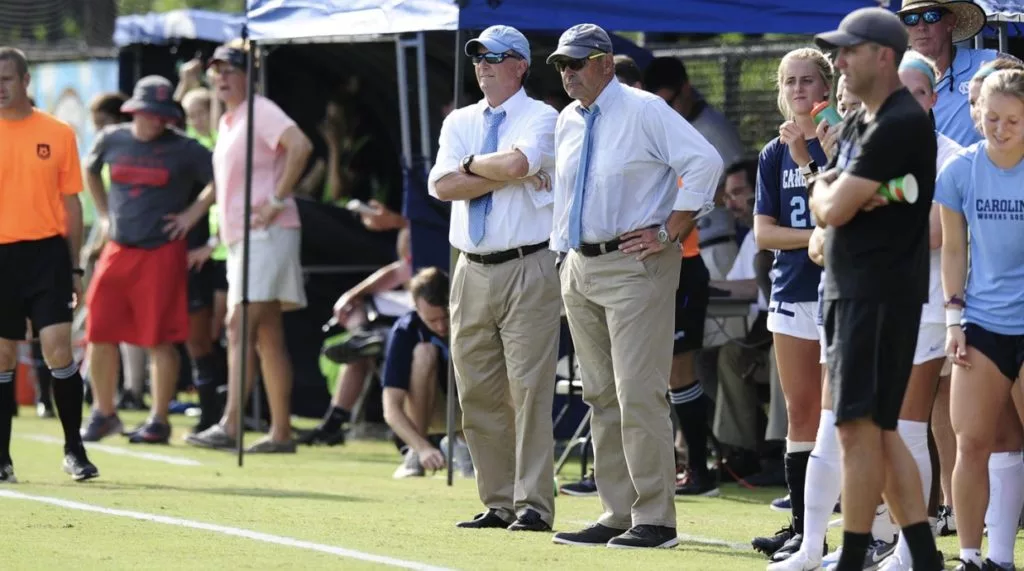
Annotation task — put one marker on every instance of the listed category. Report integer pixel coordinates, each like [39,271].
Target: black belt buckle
[507,255]
[594,250]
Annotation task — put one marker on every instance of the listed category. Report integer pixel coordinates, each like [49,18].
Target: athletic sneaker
[585,487]
[693,484]
[410,466]
[151,432]
[790,547]
[879,552]
[769,545]
[988,565]
[782,504]
[946,522]
[7,474]
[799,561]
[77,465]
[100,427]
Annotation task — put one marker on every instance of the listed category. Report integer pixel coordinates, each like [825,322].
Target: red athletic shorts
[139,296]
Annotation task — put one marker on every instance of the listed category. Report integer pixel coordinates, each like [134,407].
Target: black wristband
[78,272]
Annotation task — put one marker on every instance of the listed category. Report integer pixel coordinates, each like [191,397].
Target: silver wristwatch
[663,236]
[275,201]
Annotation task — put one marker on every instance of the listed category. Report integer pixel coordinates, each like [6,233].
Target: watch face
[662,235]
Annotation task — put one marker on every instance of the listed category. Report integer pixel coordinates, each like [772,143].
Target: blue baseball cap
[500,39]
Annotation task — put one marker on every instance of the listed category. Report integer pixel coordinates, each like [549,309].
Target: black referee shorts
[691,305]
[1006,351]
[870,354]
[202,284]
[36,284]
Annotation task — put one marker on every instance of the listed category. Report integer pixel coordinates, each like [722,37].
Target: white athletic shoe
[832,559]
[894,563]
[410,466]
[799,561]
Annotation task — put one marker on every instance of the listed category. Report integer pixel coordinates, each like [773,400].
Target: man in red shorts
[138,294]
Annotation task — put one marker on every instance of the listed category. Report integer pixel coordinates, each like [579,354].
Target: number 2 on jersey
[798,213]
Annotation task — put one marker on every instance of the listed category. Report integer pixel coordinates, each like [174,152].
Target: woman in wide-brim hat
[970,17]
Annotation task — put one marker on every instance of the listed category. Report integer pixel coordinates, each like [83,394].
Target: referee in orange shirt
[40,235]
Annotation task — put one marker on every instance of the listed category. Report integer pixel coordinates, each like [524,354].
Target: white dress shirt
[639,150]
[520,215]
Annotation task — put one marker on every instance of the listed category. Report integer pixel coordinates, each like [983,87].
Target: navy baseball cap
[876,25]
[154,95]
[498,40]
[580,41]
[234,57]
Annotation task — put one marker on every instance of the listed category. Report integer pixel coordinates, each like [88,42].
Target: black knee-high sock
[922,546]
[936,496]
[796,474]
[855,547]
[7,406]
[67,395]
[692,411]
[44,381]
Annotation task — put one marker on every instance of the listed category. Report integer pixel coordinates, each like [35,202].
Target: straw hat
[970,18]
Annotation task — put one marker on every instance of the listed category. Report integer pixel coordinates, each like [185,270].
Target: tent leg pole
[246,229]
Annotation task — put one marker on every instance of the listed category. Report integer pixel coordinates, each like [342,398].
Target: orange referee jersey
[39,166]
[691,245]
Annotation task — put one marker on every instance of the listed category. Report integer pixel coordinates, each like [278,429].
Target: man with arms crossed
[40,236]
[619,213]
[877,256]
[504,303]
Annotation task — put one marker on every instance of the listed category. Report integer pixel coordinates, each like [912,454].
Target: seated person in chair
[745,363]
[350,313]
[415,378]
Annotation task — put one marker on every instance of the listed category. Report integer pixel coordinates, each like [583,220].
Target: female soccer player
[978,192]
[783,223]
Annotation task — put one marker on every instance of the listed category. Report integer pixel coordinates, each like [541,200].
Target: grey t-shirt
[148,181]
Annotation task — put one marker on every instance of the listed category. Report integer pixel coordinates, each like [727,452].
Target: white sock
[1006,498]
[822,485]
[915,437]
[971,556]
[884,527]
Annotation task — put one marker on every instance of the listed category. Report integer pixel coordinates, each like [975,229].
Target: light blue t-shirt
[992,202]
[953,107]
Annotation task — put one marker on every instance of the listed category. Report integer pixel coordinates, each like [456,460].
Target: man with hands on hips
[492,164]
[620,153]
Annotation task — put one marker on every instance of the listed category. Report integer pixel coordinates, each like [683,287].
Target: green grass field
[342,498]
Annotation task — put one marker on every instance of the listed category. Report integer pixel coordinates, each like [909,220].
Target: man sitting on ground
[415,366]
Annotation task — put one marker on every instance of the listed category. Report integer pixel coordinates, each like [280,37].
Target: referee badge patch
[43,151]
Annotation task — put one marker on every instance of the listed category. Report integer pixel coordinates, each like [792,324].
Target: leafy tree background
[41,23]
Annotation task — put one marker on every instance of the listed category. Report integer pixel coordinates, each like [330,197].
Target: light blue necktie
[576,208]
[480,206]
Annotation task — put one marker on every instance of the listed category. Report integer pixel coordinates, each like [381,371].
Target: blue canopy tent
[406,22]
[157,43]
[1004,20]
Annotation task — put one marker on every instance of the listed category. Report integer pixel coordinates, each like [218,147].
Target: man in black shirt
[877,259]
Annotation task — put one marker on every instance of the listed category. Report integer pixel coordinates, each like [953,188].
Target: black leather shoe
[488,519]
[596,535]
[646,537]
[529,521]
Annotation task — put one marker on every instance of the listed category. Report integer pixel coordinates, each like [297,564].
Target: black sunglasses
[931,16]
[492,58]
[575,64]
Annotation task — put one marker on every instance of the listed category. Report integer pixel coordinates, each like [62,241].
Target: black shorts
[202,284]
[691,305]
[36,285]
[1006,351]
[870,354]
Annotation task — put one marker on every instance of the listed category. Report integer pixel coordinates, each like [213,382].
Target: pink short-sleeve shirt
[268,161]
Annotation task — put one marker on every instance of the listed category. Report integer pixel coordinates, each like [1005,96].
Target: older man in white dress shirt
[492,164]
[618,215]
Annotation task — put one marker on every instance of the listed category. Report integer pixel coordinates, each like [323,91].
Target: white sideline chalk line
[225,530]
[177,461]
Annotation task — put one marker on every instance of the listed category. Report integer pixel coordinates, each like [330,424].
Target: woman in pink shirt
[280,151]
